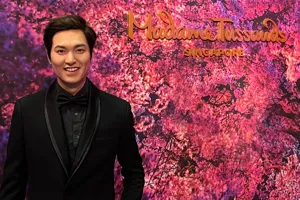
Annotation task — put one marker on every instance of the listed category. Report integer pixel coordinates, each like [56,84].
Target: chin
[72,80]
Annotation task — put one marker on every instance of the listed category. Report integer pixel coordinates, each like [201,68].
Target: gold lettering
[186,32]
[273,36]
[180,34]
[195,34]
[261,36]
[234,52]
[239,35]
[132,22]
[199,52]
[229,34]
[187,52]
[205,52]
[207,34]
[282,36]
[228,52]
[220,22]
[170,31]
[253,36]
[156,33]
[221,51]
[193,52]
[210,52]
[246,35]
[241,53]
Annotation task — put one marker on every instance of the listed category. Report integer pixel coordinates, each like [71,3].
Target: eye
[60,51]
[80,50]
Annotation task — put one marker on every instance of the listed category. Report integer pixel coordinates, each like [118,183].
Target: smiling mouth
[71,69]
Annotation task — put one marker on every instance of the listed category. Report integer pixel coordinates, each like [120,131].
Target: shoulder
[110,103]
[112,99]
[115,106]
[33,99]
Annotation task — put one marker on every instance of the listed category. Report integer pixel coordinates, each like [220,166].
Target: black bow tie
[63,99]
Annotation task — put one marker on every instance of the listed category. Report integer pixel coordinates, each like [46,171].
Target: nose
[70,59]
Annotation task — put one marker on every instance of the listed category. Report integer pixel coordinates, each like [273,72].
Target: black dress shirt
[73,117]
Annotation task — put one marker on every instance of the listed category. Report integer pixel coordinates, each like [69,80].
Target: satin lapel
[55,128]
[90,126]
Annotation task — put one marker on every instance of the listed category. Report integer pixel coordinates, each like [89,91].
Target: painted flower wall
[207,127]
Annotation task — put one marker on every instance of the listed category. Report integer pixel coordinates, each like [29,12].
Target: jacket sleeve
[13,186]
[130,161]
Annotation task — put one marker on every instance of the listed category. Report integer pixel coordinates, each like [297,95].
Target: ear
[49,60]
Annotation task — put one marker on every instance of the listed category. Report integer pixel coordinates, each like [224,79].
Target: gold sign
[223,34]
[193,52]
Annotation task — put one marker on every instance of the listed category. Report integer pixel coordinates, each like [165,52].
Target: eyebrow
[78,45]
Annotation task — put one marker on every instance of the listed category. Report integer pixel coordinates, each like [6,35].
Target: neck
[72,88]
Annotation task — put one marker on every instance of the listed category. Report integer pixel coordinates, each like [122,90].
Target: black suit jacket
[37,151]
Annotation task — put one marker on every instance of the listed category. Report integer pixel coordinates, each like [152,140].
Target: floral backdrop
[207,127]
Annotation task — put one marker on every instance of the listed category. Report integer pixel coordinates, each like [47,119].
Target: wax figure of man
[64,140]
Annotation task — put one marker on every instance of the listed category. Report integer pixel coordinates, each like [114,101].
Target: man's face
[70,57]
